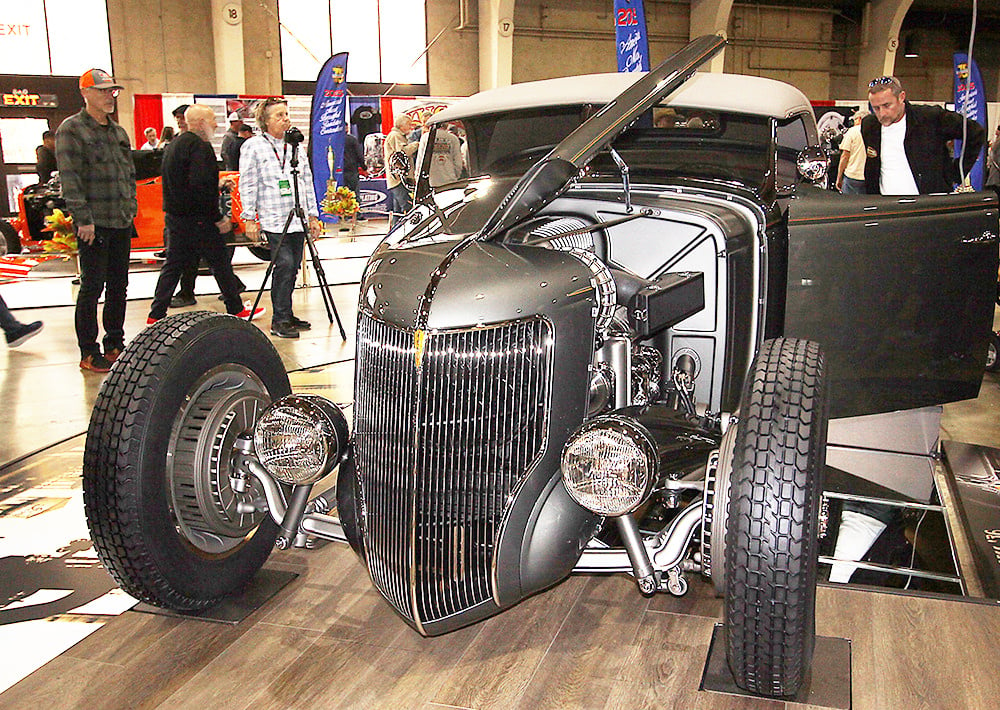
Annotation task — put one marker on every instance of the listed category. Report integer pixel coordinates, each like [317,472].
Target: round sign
[505,27]
[232,13]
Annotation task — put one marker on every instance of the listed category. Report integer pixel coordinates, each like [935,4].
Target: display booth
[370,119]
[29,106]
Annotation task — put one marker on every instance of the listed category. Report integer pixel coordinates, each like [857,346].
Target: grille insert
[440,449]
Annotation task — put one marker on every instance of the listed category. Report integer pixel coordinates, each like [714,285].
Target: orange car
[35,202]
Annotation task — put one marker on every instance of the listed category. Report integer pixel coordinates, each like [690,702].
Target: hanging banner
[328,123]
[970,101]
[630,36]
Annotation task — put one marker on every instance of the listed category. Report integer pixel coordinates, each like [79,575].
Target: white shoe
[858,532]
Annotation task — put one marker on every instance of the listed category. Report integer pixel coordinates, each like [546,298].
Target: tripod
[297,212]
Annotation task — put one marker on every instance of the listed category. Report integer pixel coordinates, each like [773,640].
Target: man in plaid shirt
[268,197]
[94,156]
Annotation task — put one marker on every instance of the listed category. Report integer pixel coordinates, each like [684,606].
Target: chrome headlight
[300,438]
[609,465]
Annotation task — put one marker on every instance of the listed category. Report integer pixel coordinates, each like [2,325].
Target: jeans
[286,262]
[103,269]
[850,186]
[400,202]
[191,240]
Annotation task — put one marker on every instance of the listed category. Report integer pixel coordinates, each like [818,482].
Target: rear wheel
[11,242]
[772,519]
[161,512]
[993,352]
[261,252]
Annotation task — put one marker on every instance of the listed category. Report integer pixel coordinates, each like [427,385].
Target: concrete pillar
[227,33]
[879,40]
[496,43]
[711,17]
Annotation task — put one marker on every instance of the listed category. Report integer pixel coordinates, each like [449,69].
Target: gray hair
[261,114]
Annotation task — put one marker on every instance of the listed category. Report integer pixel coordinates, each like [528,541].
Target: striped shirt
[96,171]
[264,161]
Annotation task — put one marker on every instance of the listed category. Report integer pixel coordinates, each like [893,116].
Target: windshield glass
[688,142]
[510,143]
[664,141]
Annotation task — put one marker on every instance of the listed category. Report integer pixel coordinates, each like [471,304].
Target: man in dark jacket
[191,206]
[907,144]
[45,157]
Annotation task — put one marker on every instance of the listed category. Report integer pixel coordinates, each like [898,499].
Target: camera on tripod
[293,136]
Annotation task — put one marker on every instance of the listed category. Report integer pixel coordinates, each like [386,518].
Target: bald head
[403,123]
[201,120]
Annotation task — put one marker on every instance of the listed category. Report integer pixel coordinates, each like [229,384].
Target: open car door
[898,290]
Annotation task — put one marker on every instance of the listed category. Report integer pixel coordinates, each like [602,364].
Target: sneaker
[22,332]
[284,329]
[182,299]
[151,320]
[95,363]
[245,313]
[300,324]
[112,354]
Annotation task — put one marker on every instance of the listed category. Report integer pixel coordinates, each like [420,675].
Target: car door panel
[898,290]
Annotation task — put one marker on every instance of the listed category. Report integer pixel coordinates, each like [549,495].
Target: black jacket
[354,155]
[191,179]
[928,129]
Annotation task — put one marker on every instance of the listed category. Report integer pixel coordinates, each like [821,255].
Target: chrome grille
[440,448]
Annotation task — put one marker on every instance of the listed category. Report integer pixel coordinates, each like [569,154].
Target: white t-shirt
[895,178]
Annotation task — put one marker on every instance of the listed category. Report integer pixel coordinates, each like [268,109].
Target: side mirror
[813,164]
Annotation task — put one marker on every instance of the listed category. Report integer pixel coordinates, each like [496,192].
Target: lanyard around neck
[284,154]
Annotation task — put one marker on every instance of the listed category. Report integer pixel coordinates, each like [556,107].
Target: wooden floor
[329,640]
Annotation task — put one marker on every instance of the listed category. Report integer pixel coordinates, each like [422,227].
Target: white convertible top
[720,92]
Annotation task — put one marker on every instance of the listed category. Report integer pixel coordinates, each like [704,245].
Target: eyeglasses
[881,81]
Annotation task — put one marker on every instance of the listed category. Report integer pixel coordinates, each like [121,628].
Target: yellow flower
[339,201]
[63,234]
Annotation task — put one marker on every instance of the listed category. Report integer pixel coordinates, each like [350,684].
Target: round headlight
[609,465]
[300,438]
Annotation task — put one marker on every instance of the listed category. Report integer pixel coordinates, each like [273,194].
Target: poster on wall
[327,123]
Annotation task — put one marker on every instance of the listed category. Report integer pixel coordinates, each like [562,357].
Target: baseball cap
[98,79]
[234,117]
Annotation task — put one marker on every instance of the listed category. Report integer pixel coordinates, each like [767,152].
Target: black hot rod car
[613,348]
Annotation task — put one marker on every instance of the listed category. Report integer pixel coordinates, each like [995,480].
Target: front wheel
[772,519]
[162,515]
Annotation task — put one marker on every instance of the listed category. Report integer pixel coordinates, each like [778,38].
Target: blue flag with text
[327,126]
[630,36]
[970,101]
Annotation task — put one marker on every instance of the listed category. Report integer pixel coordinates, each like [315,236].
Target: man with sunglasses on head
[907,144]
[268,197]
[94,157]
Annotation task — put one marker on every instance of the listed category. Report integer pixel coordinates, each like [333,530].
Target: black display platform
[235,608]
[973,476]
[828,685]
